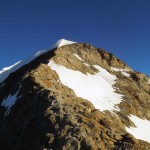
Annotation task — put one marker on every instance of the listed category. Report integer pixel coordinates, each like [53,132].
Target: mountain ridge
[67,120]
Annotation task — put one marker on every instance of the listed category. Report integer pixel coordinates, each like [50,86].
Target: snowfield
[97,88]
[142,129]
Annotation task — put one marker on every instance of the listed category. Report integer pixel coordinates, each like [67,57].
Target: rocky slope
[74,97]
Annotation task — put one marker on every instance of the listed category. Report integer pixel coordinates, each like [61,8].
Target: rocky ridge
[47,114]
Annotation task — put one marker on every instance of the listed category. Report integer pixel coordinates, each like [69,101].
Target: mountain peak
[63,42]
[74,97]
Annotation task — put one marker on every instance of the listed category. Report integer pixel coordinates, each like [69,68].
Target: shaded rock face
[49,115]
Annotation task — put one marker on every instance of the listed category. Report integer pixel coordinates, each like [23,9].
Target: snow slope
[8,70]
[142,129]
[97,88]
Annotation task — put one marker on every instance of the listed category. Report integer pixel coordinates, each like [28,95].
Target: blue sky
[122,27]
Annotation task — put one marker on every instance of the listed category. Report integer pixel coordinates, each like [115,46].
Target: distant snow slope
[8,70]
[142,129]
[97,88]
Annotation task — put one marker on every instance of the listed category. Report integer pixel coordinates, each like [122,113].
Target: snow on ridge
[97,88]
[5,72]
[8,70]
[142,129]
[123,71]
[9,102]
[62,42]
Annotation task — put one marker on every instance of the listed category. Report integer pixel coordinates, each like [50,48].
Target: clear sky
[122,27]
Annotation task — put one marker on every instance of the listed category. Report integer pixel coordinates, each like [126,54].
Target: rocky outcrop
[49,115]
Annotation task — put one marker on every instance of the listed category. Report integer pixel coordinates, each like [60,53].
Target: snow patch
[123,71]
[62,42]
[81,60]
[8,70]
[142,129]
[9,102]
[97,88]
[78,57]
[148,81]
[86,64]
